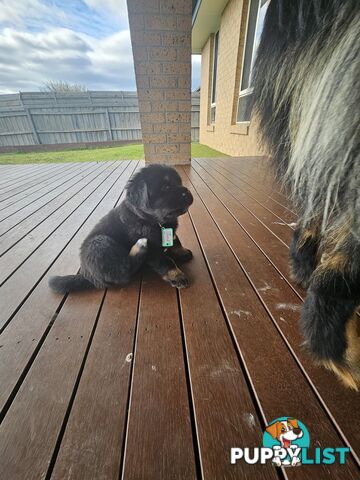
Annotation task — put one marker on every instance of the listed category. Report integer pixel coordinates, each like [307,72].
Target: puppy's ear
[137,192]
[293,422]
[274,429]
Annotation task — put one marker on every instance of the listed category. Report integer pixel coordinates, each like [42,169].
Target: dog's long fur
[129,236]
[307,98]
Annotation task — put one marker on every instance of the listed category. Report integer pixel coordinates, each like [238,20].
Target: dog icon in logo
[286,432]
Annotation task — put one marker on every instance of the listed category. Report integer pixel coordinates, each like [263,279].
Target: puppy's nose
[297,431]
[186,194]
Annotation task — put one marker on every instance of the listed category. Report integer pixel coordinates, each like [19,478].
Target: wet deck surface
[148,382]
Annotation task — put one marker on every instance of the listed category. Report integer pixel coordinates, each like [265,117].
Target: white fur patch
[138,246]
[142,242]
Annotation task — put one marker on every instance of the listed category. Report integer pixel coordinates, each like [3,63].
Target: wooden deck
[148,382]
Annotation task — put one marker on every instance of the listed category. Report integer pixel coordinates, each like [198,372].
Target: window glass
[214,77]
[216,49]
[257,11]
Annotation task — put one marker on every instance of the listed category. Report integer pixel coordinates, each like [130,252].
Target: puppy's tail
[69,283]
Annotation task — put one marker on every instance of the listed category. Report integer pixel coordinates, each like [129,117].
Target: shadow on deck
[148,382]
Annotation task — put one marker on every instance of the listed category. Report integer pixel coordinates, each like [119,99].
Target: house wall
[225,135]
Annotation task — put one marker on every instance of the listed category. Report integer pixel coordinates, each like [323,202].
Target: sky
[81,41]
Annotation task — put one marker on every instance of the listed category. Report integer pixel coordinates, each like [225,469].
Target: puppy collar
[140,213]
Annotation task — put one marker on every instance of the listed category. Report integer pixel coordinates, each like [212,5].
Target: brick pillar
[161,41]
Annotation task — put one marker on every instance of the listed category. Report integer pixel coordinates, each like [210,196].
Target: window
[214,75]
[256,16]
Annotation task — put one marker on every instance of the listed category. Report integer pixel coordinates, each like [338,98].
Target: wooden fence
[35,118]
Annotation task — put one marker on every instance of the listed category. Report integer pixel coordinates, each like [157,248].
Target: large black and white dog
[307,98]
[130,235]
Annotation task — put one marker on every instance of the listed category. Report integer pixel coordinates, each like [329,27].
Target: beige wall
[226,135]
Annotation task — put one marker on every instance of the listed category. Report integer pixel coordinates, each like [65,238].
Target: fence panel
[31,118]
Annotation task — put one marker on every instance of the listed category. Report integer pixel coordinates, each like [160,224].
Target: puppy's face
[157,190]
[285,431]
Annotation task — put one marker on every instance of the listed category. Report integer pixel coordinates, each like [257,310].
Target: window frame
[249,90]
[215,55]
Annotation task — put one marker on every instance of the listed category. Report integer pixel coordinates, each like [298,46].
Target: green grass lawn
[126,152]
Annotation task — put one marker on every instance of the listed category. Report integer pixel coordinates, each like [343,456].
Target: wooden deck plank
[11,261]
[18,252]
[21,283]
[284,214]
[9,173]
[94,434]
[257,176]
[226,352]
[24,197]
[24,186]
[261,269]
[283,305]
[275,250]
[41,403]
[225,413]
[337,401]
[260,171]
[13,214]
[24,454]
[6,174]
[23,175]
[21,339]
[13,229]
[272,222]
[159,442]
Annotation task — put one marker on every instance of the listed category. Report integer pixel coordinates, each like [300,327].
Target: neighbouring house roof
[206,20]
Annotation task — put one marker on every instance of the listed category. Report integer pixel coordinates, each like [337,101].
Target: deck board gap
[130,387]
[194,427]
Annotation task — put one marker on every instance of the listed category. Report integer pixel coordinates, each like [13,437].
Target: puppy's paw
[180,254]
[140,247]
[347,374]
[348,370]
[176,278]
[185,255]
[142,242]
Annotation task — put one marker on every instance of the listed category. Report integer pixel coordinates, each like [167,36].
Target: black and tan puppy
[306,87]
[131,235]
